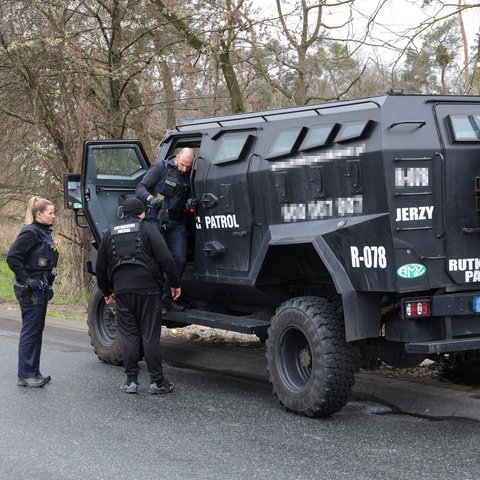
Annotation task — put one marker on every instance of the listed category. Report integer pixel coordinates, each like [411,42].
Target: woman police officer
[33,257]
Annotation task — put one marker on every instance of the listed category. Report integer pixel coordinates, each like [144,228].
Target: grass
[6,282]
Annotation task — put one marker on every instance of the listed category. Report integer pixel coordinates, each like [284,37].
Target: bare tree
[71,70]
[215,41]
[308,47]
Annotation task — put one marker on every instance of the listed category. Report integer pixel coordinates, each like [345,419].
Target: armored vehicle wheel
[102,328]
[311,366]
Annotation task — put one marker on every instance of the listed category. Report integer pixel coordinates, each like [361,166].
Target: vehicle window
[178,143]
[284,142]
[465,128]
[352,130]
[317,136]
[122,161]
[230,148]
[72,189]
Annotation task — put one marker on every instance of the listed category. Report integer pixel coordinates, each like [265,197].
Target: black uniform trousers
[30,344]
[139,318]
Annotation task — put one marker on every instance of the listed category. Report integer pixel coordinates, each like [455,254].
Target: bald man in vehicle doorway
[166,188]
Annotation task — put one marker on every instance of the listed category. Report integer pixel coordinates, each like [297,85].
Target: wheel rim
[106,323]
[294,359]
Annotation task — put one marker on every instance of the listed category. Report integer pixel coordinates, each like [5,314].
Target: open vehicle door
[110,172]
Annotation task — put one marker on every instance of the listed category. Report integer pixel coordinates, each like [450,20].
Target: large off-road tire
[311,366]
[102,328]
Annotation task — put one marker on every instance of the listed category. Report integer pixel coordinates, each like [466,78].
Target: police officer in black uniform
[33,257]
[166,189]
[131,262]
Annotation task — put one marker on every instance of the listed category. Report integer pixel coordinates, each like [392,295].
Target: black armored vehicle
[340,233]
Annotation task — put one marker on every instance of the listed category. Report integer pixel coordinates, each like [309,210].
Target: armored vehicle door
[459,124]
[224,209]
[110,173]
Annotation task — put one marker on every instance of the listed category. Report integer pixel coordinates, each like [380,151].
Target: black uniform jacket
[18,255]
[129,278]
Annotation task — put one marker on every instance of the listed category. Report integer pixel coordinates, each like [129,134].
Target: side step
[222,321]
[443,346]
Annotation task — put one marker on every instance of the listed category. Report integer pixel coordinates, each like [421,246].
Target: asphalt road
[213,426]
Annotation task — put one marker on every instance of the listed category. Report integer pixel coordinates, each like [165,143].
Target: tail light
[416,308]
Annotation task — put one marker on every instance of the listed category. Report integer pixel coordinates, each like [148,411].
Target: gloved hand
[51,277]
[32,283]
[155,202]
[162,215]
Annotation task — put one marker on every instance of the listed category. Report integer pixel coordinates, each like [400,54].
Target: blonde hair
[35,205]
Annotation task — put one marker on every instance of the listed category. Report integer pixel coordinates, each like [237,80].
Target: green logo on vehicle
[411,270]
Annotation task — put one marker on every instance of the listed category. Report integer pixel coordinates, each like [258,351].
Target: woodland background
[72,70]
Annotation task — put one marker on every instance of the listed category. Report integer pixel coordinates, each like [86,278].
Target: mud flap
[361,315]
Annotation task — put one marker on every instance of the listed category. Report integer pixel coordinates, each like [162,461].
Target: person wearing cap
[131,262]
[166,189]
